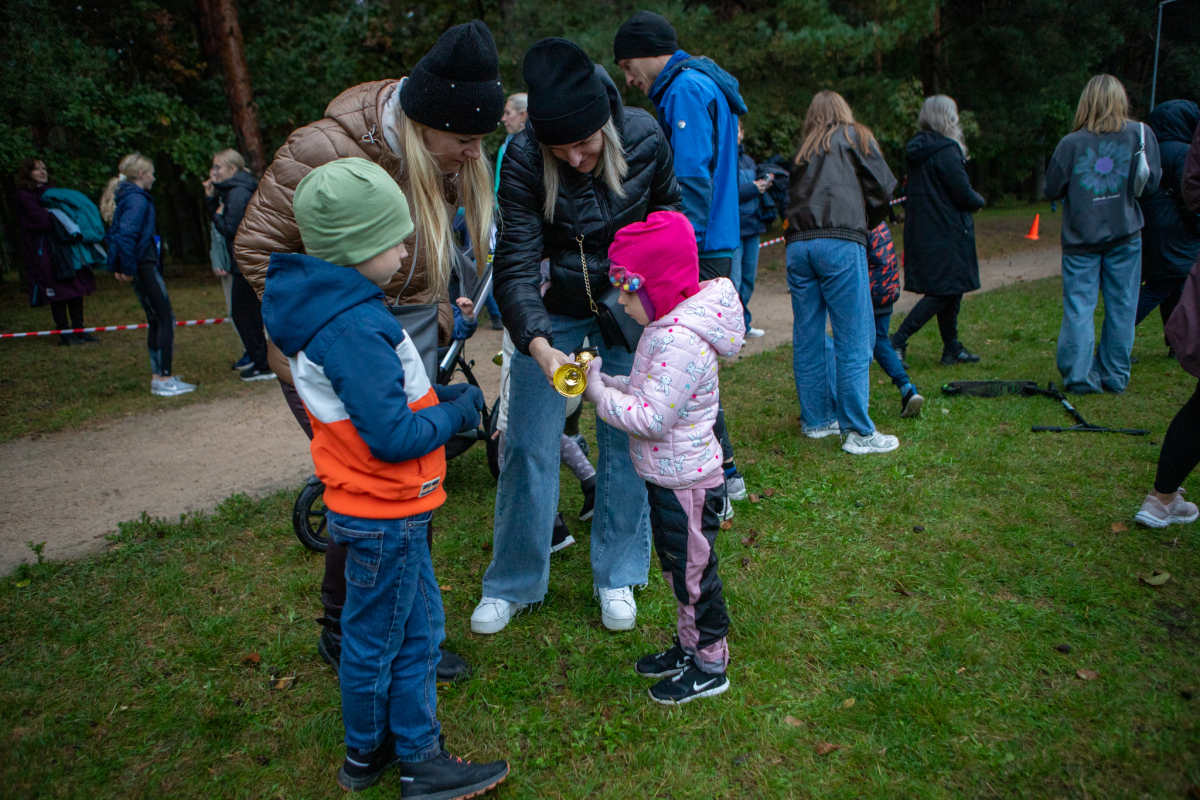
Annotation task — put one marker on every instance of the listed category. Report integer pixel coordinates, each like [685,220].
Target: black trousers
[59,309]
[1180,448]
[719,268]
[1161,293]
[151,292]
[247,318]
[943,306]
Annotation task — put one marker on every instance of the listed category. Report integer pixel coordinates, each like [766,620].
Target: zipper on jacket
[604,214]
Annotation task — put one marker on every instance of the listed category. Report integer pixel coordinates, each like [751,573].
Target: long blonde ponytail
[131,168]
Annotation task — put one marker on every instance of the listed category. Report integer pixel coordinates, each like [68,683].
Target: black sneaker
[447,777]
[452,668]
[253,373]
[663,665]
[329,645]
[689,685]
[84,338]
[497,325]
[910,404]
[360,769]
[963,356]
[901,350]
[66,340]
[562,537]
[589,499]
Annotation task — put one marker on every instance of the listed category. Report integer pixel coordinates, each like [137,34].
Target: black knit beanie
[456,86]
[644,35]
[567,101]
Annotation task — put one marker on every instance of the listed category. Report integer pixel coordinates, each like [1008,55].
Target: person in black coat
[939,232]
[1171,236]
[584,167]
[227,192]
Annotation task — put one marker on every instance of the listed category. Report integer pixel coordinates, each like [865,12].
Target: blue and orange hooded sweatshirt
[378,430]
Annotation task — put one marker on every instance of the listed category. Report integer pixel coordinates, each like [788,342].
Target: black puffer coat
[526,238]
[1171,236]
[235,195]
[939,232]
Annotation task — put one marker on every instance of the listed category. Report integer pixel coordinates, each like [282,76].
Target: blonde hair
[1103,106]
[231,158]
[130,169]
[611,166]
[828,112]
[940,115]
[423,183]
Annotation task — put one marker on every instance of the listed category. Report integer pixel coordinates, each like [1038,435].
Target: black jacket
[939,232]
[235,193]
[838,195]
[1171,236]
[585,206]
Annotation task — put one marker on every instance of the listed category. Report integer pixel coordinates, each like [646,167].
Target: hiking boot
[859,445]
[452,668]
[446,777]
[735,487]
[910,404]
[1154,514]
[901,349]
[329,644]
[561,538]
[253,373]
[667,664]
[821,431]
[690,684]
[588,488]
[170,387]
[493,613]
[959,356]
[618,609]
[360,769]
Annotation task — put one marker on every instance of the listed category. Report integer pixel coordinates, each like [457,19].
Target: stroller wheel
[308,516]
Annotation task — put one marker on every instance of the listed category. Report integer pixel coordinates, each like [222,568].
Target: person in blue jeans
[840,188]
[1094,172]
[745,256]
[884,272]
[379,431]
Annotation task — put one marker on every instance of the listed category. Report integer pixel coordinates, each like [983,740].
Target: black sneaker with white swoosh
[667,664]
[689,685]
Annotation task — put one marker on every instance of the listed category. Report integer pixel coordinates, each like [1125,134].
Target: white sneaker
[493,613]
[755,333]
[170,387]
[821,431]
[859,445]
[735,488]
[1154,514]
[618,610]
[726,509]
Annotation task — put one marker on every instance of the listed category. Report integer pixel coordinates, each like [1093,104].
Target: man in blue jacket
[698,105]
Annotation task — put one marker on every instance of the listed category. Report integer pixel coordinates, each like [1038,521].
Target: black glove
[469,402]
[450,392]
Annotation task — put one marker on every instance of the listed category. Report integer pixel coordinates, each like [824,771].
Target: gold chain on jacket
[587,284]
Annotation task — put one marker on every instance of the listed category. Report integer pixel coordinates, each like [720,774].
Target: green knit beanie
[350,210]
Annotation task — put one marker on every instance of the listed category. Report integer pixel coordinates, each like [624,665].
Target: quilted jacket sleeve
[128,229]
[517,263]
[650,416]
[953,171]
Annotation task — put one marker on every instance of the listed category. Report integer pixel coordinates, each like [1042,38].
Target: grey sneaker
[859,445]
[1154,514]
[821,431]
[735,487]
[171,387]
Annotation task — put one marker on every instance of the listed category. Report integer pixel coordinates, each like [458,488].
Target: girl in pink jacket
[668,406]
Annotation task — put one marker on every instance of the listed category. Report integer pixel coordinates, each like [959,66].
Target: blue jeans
[885,354]
[829,277]
[392,627]
[745,271]
[527,493]
[1117,273]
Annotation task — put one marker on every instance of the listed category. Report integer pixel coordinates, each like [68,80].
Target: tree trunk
[221,33]
[930,57]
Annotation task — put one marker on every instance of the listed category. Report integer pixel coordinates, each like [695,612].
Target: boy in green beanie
[379,427]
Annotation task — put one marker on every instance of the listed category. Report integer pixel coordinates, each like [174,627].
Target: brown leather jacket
[351,128]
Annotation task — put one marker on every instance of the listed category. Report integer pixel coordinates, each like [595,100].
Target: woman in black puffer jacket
[583,168]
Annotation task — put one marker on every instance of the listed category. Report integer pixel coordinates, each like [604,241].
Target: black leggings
[1180,448]
[59,311]
[160,338]
[247,318]
[943,306]
[719,268]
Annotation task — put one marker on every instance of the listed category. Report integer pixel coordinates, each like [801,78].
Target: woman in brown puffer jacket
[425,130]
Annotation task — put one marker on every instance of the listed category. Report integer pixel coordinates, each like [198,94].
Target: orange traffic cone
[1034,227]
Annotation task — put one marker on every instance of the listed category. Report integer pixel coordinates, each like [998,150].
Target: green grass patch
[931,586]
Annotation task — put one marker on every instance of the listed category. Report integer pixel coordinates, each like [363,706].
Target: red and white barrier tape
[178,324]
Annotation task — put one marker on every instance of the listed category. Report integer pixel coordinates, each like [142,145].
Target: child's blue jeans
[392,627]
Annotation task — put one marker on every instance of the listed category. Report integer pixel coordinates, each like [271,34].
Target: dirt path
[71,489]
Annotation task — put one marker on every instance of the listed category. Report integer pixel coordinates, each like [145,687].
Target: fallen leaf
[253,658]
[1156,578]
[769,492]
[726,525]
[848,702]
[746,561]
[901,590]
[284,682]
[790,720]
[754,498]
[1087,674]
[1119,527]
[740,760]
[446,588]
[960,670]
[1063,648]
[825,748]
[21,584]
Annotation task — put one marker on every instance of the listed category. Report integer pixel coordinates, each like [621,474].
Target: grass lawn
[911,608]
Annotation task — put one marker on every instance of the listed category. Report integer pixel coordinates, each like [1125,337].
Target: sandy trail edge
[71,489]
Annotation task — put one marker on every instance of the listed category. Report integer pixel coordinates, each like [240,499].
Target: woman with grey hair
[939,233]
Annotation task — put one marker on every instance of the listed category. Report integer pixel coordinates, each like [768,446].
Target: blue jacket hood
[706,66]
[304,294]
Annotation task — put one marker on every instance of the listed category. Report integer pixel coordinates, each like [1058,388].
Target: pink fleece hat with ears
[657,259]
